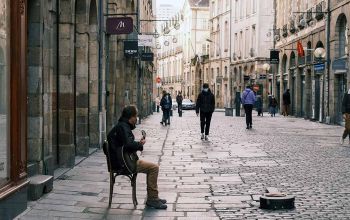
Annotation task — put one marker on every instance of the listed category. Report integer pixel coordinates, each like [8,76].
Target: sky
[176,3]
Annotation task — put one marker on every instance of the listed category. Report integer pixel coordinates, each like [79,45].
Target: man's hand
[142,141]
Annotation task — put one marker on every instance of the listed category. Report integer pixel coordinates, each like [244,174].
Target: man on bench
[121,135]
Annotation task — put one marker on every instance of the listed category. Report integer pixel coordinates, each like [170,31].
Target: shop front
[13,84]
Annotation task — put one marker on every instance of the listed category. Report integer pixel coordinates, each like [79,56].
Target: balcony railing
[285,30]
[292,28]
[319,11]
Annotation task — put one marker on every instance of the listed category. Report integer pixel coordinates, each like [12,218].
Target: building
[195,45]
[218,69]
[165,11]
[252,21]
[304,23]
[170,54]
[65,83]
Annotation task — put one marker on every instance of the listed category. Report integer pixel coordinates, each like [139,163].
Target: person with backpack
[248,99]
[179,100]
[205,106]
[166,104]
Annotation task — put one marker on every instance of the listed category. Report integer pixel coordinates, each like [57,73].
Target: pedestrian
[248,99]
[274,104]
[346,115]
[166,104]
[205,106]
[270,99]
[121,136]
[179,100]
[259,105]
[286,102]
[158,103]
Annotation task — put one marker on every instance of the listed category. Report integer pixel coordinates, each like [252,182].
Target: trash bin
[228,111]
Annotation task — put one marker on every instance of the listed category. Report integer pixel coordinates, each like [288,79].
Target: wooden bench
[114,173]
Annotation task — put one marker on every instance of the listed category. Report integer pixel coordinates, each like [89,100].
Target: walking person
[286,102]
[259,105]
[205,106]
[121,136]
[270,99]
[179,100]
[346,116]
[248,99]
[273,107]
[158,103]
[166,104]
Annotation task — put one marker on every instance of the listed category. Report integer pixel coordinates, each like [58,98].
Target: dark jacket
[346,103]
[274,103]
[164,102]
[259,103]
[121,135]
[205,102]
[179,99]
[286,98]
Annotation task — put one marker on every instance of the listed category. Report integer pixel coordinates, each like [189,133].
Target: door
[340,91]
[302,96]
[317,97]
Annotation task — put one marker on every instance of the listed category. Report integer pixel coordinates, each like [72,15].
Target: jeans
[273,111]
[286,110]
[157,108]
[151,170]
[205,121]
[248,114]
[166,116]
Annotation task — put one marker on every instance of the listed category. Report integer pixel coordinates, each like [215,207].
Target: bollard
[276,200]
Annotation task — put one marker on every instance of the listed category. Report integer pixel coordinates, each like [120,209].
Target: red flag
[300,48]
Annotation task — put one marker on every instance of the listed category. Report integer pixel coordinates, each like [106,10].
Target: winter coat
[205,102]
[286,98]
[270,100]
[346,104]
[274,103]
[121,135]
[179,99]
[166,103]
[259,102]
[248,97]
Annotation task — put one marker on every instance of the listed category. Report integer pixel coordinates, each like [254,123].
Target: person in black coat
[166,104]
[205,106]
[179,100]
[346,103]
[121,135]
[286,102]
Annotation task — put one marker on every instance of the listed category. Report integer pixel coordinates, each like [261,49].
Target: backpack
[167,103]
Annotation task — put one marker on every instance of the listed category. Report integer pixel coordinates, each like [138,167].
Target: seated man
[121,135]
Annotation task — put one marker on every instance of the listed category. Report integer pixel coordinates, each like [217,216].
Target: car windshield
[187,101]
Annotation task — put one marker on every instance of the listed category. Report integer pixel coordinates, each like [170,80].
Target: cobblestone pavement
[219,179]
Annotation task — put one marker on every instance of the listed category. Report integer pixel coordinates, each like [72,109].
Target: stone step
[38,185]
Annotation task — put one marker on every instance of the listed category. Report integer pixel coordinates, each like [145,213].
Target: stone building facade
[250,44]
[78,80]
[317,85]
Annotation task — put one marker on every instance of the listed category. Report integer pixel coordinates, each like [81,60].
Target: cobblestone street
[219,179]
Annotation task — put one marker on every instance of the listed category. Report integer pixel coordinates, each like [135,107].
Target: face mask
[206,90]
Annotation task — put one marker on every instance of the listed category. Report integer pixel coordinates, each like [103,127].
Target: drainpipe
[100,60]
[57,78]
[328,27]
[139,73]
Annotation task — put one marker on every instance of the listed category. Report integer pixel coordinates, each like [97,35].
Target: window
[253,41]
[4,94]
[217,41]
[236,10]
[225,71]
[254,6]
[217,71]
[212,73]
[226,41]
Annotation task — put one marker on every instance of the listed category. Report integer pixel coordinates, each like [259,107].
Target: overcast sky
[176,3]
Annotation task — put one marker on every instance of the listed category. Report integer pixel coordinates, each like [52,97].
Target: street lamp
[320,52]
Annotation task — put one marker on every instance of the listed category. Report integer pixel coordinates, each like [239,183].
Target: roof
[199,3]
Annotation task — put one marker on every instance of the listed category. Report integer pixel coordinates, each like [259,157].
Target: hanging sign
[116,26]
[274,56]
[146,41]
[300,49]
[147,57]
[130,48]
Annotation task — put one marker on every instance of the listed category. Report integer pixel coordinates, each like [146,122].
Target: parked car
[188,104]
[174,104]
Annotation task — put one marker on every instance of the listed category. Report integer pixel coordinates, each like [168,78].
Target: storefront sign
[340,65]
[117,26]
[130,48]
[274,56]
[146,41]
[319,67]
[147,57]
